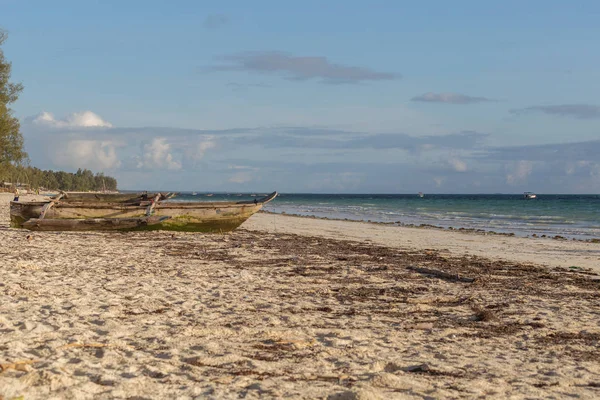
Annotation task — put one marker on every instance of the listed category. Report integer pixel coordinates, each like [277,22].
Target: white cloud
[84,119]
[242,167]
[573,167]
[519,172]
[340,181]
[595,172]
[157,155]
[93,154]
[244,173]
[457,164]
[195,152]
[241,177]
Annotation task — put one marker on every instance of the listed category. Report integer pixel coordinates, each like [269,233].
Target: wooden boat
[200,216]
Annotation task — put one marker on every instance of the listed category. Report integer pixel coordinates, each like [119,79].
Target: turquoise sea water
[571,216]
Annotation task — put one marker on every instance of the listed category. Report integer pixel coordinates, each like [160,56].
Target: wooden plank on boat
[91,224]
[152,205]
[48,205]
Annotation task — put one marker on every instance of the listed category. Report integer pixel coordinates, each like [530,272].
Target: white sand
[265,314]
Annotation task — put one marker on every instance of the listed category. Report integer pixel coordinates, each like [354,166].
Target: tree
[11,139]
[14,166]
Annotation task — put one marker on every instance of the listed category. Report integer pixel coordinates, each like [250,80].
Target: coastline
[296,308]
[530,250]
[431,226]
[555,216]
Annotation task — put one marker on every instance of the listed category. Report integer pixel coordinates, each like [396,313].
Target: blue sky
[338,96]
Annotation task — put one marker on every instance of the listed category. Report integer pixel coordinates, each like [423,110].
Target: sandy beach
[297,308]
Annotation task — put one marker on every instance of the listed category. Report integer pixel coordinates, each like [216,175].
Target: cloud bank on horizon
[306,158]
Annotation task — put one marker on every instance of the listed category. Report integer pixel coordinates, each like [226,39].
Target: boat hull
[92,224]
[184,217]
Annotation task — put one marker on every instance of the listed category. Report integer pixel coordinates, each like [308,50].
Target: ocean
[570,216]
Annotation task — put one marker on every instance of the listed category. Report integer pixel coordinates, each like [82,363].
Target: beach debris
[424,326]
[17,365]
[417,368]
[484,315]
[361,392]
[441,274]
[389,380]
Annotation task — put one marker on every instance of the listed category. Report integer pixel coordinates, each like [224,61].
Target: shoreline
[430,226]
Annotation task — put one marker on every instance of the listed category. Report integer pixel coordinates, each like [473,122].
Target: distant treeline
[82,180]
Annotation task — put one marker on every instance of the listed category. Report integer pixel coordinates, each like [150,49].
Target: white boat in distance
[529,195]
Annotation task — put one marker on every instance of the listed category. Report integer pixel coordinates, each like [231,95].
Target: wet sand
[295,307]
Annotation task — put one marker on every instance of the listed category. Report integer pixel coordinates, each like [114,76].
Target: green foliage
[81,181]
[11,140]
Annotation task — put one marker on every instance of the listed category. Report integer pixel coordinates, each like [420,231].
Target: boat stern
[21,211]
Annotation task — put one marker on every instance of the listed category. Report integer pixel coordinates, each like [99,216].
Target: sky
[312,96]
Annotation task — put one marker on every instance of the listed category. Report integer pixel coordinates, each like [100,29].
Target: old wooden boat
[199,216]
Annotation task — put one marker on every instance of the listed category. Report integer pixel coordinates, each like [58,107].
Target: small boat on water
[529,195]
[132,212]
[421,194]
[194,193]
